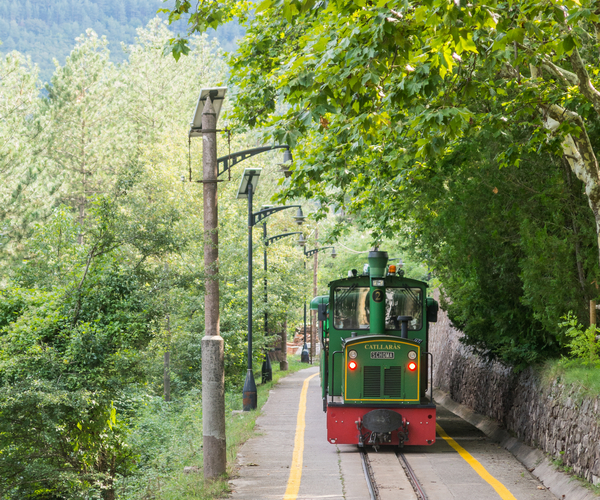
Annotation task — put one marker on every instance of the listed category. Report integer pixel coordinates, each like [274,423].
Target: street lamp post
[304,356]
[267,370]
[247,188]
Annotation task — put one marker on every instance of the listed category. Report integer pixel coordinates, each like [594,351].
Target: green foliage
[71,350]
[583,346]
[84,296]
[514,250]
[168,437]
[387,106]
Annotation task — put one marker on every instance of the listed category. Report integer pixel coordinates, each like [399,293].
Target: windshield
[403,302]
[351,310]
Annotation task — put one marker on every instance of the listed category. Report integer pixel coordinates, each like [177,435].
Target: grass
[582,379]
[169,436]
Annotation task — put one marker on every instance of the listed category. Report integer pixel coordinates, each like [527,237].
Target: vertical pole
[249,400]
[167,377]
[250,221]
[213,381]
[167,354]
[313,314]
[267,369]
[167,364]
[265,269]
[304,354]
[592,312]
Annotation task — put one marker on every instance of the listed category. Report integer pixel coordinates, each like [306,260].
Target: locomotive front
[375,362]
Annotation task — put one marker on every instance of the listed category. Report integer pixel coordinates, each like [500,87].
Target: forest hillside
[47,30]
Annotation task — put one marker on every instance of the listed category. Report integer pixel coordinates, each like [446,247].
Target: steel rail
[412,477]
[369,476]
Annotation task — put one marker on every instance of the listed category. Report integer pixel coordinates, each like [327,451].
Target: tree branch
[585,84]
[562,74]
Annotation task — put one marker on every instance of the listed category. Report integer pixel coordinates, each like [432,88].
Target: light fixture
[217,95]
[301,240]
[299,217]
[333,253]
[287,162]
[412,366]
[250,177]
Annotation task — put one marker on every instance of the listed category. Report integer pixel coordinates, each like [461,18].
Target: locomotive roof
[389,281]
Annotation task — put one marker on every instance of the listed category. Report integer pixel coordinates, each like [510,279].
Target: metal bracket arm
[273,239]
[265,212]
[226,162]
[316,250]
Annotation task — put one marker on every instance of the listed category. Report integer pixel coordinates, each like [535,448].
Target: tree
[18,101]
[88,142]
[376,90]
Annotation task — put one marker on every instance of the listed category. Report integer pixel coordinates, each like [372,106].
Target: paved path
[335,472]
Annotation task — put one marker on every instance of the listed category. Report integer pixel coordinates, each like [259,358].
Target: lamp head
[287,162]
[299,217]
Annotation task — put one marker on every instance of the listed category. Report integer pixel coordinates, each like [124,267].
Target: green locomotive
[375,364]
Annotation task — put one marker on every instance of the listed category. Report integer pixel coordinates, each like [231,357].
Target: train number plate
[382,355]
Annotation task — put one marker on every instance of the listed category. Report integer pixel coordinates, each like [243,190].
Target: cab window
[404,301]
[351,310]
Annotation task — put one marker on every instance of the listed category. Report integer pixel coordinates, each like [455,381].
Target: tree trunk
[167,376]
[283,364]
[577,147]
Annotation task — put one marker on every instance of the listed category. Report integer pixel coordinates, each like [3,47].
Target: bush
[583,347]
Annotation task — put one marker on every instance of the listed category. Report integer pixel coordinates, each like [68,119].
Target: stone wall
[553,419]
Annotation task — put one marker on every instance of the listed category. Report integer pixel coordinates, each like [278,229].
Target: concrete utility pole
[213,380]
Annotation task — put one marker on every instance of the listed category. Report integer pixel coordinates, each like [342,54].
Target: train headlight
[353,365]
[412,366]
[352,354]
[412,355]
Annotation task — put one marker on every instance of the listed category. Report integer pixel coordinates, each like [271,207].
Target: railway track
[383,473]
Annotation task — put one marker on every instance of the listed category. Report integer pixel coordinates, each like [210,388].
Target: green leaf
[568,44]
[264,5]
[515,35]
[468,44]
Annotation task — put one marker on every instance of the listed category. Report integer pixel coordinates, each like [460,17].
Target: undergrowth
[168,438]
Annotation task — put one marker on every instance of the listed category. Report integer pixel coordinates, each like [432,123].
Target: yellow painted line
[293,484]
[477,467]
